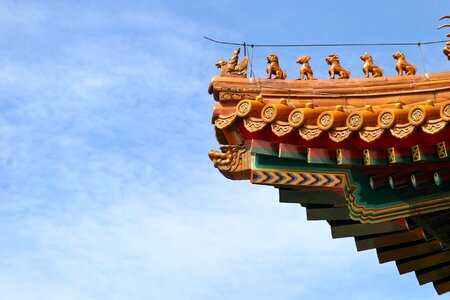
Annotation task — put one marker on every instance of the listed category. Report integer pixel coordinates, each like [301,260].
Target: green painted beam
[293,152]
[349,157]
[322,156]
[399,155]
[375,157]
[265,148]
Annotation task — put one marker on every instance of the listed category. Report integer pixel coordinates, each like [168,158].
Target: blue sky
[106,190]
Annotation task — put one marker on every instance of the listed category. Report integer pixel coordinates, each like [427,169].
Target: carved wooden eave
[369,155]
[365,108]
[365,126]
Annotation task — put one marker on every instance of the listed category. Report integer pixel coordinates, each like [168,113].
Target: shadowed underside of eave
[410,242]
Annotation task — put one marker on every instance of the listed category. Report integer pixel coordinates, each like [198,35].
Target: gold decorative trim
[339,134]
[281,128]
[309,132]
[371,134]
[442,150]
[339,157]
[402,131]
[298,178]
[434,127]
[366,155]
[224,121]
[223,88]
[391,155]
[415,153]
[236,96]
[254,124]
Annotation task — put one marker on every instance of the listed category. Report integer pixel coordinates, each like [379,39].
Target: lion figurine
[305,70]
[370,67]
[232,67]
[274,68]
[336,68]
[403,65]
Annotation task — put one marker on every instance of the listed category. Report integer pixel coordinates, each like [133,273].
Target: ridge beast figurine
[336,68]
[274,68]
[370,67]
[305,70]
[403,65]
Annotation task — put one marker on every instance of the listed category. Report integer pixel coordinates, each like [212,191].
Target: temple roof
[376,109]
[368,155]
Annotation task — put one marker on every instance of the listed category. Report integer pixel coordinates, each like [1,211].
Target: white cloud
[108,192]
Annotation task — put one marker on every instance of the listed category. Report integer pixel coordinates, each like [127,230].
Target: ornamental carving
[354,120]
[269,112]
[370,135]
[233,161]
[309,132]
[402,131]
[254,124]
[296,117]
[339,134]
[243,108]
[281,128]
[434,127]
[231,67]
[325,120]
[244,90]
[298,178]
[446,111]
[235,96]
[386,118]
[417,114]
[224,121]
[442,150]
[226,94]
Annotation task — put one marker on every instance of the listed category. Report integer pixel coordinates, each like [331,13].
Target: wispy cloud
[106,188]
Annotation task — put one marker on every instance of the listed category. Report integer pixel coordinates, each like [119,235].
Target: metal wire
[423,60]
[327,45]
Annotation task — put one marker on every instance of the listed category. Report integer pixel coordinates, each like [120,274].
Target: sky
[106,189]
